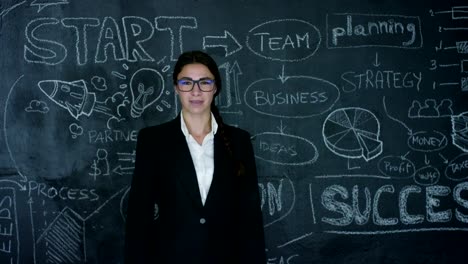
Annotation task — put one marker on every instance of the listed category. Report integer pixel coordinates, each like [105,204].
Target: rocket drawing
[73,96]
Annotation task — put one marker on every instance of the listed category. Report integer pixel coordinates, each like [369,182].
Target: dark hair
[196,56]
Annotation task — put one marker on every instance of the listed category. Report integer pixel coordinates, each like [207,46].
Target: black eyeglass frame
[212,83]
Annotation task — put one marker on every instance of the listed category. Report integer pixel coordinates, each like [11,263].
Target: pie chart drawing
[353,133]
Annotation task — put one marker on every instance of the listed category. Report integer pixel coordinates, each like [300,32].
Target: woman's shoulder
[237,133]
[160,130]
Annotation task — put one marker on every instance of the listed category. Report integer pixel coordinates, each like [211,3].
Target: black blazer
[166,220]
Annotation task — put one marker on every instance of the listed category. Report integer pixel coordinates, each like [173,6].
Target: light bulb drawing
[146,86]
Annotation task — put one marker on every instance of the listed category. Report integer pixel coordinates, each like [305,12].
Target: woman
[194,195]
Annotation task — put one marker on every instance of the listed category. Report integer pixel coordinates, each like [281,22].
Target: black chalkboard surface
[357,111]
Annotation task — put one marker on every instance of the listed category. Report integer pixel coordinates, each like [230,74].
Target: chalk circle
[396,167]
[303,37]
[427,176]
[294,97]
[284,149]
[457,169]
[278,197]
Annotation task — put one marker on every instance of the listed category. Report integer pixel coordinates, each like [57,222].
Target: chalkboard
[357,111]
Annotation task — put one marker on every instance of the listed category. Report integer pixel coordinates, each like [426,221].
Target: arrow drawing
[410,132]
[228,42]
[283,77]
[445,160]
[376,63]
[235,71]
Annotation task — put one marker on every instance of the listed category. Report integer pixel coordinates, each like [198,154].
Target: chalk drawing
[228,42]
[100,165]
[77,100]
[41,4]
[269,40]
[5,134]
[36,106]
[8,7]
[99,83]
[129,163]
[76,130]
[396,167]
[9,234]
[175,24]
[230,85]
[373,30]
[430,109]
[65,236]
[291,96]
[457,169]
[431,141]
[460,131]
[427,175]
[410,132]
[353,133]
[285,149]
[275,198]
[146,86]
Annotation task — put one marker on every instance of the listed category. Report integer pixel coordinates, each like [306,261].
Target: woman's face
[196,101]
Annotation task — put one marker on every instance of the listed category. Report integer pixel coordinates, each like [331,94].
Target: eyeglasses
[186,84]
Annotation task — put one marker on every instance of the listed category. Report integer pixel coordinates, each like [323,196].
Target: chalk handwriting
[427,175]
[372,79]
[348,30]
[117,42]
[111,135]
[286,97]
[457,169]
[427,141]
[9,233]
[396,167]
[41,190]
[338,199]
[268,40]
[285,149]
[278,198]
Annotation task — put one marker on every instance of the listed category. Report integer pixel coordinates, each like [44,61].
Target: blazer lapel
[220,166]
[184,167]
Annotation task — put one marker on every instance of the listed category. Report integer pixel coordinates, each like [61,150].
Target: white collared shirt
[202,156]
